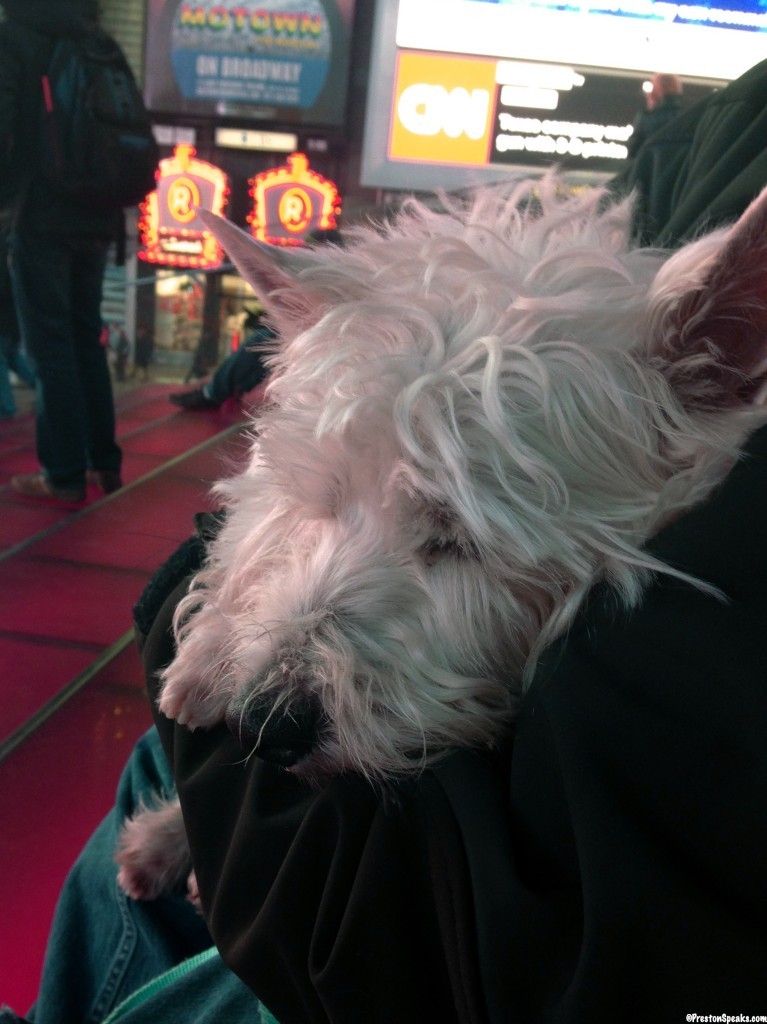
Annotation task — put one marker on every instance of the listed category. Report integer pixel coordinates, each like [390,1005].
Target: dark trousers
[240,372]
[58,282]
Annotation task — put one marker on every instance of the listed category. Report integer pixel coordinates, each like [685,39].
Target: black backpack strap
[47,104]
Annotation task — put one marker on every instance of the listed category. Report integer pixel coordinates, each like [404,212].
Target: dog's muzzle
[283,736]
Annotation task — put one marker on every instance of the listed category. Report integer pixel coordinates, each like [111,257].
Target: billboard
[463,90]
[281,61]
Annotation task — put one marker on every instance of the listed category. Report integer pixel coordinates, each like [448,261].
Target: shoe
[37,485]
[193,401]
[107,480]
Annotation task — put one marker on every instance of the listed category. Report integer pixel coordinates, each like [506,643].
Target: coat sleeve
[636,830]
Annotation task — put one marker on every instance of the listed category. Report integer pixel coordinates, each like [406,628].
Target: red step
[73,701]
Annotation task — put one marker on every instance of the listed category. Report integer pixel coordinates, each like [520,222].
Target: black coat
[609,866]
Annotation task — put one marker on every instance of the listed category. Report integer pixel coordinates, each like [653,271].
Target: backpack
[96,140]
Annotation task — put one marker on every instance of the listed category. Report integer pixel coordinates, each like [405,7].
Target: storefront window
[185,337]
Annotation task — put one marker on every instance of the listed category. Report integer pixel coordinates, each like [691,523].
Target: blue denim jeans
[57,283]
[103,947]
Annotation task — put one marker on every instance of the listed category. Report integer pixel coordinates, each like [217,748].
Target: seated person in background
[238,374]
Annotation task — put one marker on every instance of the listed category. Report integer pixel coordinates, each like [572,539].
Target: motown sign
[279,61]
[171,231]
[291,202]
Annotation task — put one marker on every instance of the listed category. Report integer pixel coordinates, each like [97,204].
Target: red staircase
[73,701]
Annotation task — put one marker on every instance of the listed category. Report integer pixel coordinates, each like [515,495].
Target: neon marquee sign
[171,231]
[291,202]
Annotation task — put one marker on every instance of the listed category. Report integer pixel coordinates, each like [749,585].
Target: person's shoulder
[18,34]
[27,38]
[749,88]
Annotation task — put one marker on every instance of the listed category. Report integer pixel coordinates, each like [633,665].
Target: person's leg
[7,401]
[41,269]
[19,364]
[238,373]
[102,945]
[219,387]
[95,380]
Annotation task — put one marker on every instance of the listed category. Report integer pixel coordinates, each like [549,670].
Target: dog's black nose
[284,735]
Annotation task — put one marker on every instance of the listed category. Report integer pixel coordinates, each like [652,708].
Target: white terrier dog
[475,416]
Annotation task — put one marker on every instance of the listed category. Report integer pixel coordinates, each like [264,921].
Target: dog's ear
[273,272]
[713,336]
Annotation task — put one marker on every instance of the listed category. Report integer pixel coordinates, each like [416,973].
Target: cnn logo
[443,109]
[433,110]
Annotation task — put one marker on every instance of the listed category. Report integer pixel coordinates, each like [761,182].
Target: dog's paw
[152,852]
[185,706]
[137,878]
[193,893]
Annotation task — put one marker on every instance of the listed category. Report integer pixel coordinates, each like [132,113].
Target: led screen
[463,90]
[710,41]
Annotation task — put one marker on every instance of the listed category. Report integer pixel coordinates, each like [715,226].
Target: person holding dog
[605,863]
[609,861]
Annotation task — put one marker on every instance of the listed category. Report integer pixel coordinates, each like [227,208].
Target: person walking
[143,352]
[58,254]
[121,348]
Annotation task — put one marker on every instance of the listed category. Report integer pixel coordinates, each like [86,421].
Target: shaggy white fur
[474,416]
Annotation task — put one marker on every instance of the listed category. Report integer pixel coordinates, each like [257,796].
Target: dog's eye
[446,537]
[437,550]
[441,548]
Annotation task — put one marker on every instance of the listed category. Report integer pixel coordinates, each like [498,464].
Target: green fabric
[162,981]
[704,168]
[147,991]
